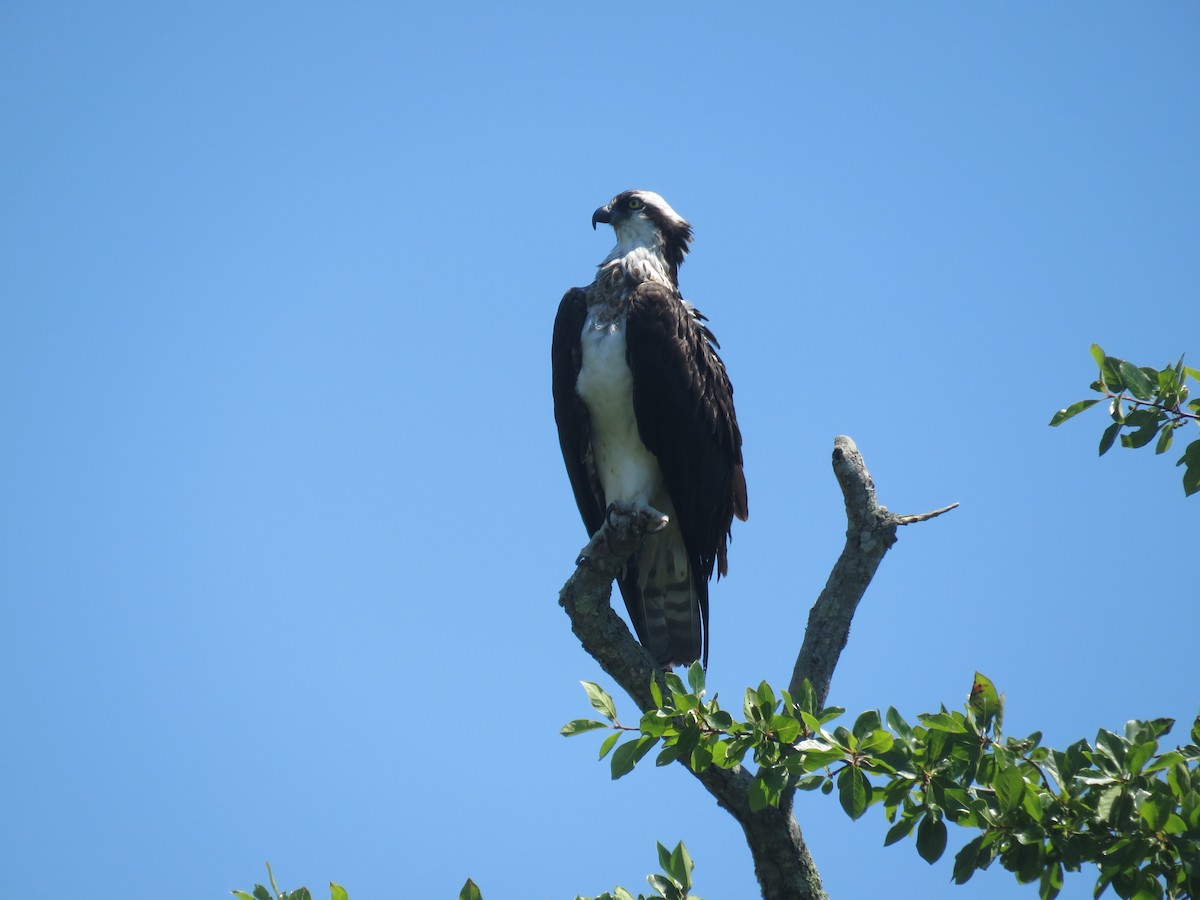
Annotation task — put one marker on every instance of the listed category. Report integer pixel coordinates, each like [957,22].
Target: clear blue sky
[282,514]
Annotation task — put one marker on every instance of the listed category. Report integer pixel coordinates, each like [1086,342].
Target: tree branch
[782,862]
[870,533]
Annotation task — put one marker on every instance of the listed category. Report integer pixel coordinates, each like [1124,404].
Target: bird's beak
[603,214]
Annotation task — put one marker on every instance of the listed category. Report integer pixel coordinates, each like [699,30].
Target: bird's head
[644,219]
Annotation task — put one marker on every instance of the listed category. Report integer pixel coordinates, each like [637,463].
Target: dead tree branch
[870,533]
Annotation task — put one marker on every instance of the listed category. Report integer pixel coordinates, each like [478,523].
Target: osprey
[645,417]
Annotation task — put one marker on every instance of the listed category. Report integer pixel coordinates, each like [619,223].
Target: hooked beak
[603,214]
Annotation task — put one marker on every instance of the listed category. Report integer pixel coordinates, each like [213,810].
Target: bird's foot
[625,524]
[645,519]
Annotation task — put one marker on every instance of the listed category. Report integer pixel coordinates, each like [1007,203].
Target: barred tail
[672,626]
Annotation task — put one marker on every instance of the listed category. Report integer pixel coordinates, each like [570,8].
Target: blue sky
[283,516]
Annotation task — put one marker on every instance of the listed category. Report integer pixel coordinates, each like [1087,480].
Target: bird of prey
[645,418]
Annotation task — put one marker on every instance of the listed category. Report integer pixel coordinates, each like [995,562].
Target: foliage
[1149,403]
[1117,803]
[673,884]
[336,891]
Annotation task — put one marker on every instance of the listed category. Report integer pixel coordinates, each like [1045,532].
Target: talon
[617,512]
[655,524]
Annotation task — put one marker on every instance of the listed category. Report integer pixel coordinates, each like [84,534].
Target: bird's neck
[640,262]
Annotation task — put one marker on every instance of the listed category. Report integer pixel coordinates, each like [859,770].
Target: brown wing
[683,401]
[571,416]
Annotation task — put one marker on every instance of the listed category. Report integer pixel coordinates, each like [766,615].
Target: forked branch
[782,862]
[870,533]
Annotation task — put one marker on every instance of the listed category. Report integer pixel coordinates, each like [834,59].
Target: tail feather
[671,626]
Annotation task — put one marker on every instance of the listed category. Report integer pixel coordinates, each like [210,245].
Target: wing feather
[683,401]
[570,413]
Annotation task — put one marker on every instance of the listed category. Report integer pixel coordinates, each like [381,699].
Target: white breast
[628,471]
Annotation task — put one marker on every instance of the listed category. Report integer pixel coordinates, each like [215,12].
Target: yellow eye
[633,203]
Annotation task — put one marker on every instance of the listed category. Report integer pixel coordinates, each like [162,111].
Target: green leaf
[758,795]
[1139,755]
[807,700]
[696,678]
[1071,411]
[786,729]
[1191,475]
[854,791]
[1164,439]
[899,831]
[766,698]
[664,858]
[897,724]
[600,700]
[1111,746]
[680,866]
[664,887]
[1097,354]
[1139,383]
[943,721]
[260,892]
[337,892]
[627,755]
[242,895]
[966,861]
[675,684]
[877,743]
[985,701]
[931,838]
[1156,810]
[656,691]
[668,755]
[701,758]
[608,743]
[579,726]
[866,722]
[1010,788]
[1109,437]
[1051,881]
[1145,432]
[469,891]
[1110,374]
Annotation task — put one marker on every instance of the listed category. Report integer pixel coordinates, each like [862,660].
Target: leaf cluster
[260,892]
[1118,802]
[1145,404]
[674,883]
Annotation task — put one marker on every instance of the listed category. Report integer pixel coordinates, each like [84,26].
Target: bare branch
[870,533]
[924,517]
